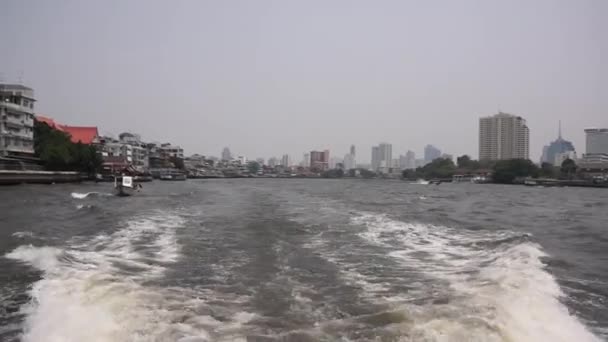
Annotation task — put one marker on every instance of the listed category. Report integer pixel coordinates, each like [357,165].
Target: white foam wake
[23,234]
[81,195]
[95,290]
[501,292]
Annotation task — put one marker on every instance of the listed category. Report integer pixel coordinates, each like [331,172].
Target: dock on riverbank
[563,182]
[11,177]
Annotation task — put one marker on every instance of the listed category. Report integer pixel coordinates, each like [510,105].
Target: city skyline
[181,81]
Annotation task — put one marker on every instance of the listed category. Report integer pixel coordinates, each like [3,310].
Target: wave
[98,290]
[499,292]
[24,234]
[84,206]
[80,195]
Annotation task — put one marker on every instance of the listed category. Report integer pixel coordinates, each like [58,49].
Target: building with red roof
[49,122]
[83,134]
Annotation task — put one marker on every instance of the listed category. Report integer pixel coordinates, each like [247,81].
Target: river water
[303,260]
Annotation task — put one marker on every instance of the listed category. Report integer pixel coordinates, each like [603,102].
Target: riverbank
[12,177]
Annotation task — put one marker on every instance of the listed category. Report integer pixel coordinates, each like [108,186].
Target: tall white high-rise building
[349,161]
[410,160]
[503,136]
[386,156]
[382,157]
[596,140]
[286,160]
[375,158]
[306,160]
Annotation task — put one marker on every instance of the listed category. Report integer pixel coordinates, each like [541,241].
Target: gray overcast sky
[272,77]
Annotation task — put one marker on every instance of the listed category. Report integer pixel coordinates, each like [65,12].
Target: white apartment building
[172,151]
[135,150]
[16,120]
[503,136]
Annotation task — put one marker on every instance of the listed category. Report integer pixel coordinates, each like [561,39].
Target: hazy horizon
[269,78]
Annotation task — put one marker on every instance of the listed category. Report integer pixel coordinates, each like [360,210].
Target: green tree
[506,171]
[367,173]
[438,168]
[409,174]
[465,162]
[253,167]
[59,153]
[568,168]
[547,170]
[334,173]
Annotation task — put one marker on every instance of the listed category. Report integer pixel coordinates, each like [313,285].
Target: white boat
[125,186]
[176,176]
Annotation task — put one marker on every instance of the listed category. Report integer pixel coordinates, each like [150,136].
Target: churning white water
[95,291]
[500,293]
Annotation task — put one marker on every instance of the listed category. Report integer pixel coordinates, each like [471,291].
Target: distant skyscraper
[286,161]
[553,152]
[349,161]
[375,158]
[319,160]
[402,162]
[561,157]
[306,161]
[226,155]
[421,162]
[386,155]
[382,157]
[597,140]
[272,162]
[503,136]
[333,162]
[431,153]
[352,159]
[352,150]
[410,158]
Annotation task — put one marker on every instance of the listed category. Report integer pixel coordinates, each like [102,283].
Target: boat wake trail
[80,195]
[100,290]
[496,286]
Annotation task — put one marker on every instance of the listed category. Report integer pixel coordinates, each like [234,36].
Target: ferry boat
[125,186]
